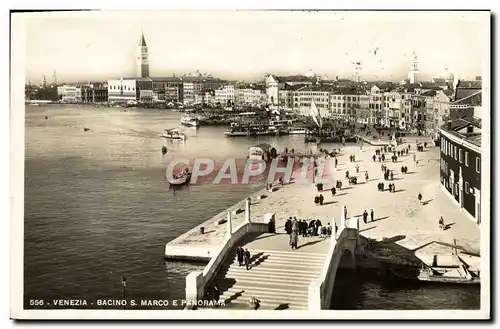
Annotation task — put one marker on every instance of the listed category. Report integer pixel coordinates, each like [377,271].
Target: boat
[246,131]
[297,131]
[262,151]
[448,275]
[190,121]
[181,179]
[173,133]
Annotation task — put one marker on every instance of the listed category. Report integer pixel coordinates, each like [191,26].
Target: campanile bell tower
[142,58]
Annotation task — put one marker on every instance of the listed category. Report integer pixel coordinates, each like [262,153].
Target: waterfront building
[189,89]
[460,166]
[69,94]
[94,92]
[122,90]
[304,97]
[272,90]
[364,110]
[225,95]
[252,96]
[142,58]
[209,98]
[376,105]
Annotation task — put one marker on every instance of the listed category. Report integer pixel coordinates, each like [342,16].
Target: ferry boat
[239,131]
[297,131]
[190,121]
[262,151]
[174,134]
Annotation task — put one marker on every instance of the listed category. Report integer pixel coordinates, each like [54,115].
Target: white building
[304,97]
[69,94]
[122,90]
[272,90]
[249,96]
[224,95]
[142,58]
[413,74]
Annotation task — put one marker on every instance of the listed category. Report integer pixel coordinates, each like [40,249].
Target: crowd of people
[304,228]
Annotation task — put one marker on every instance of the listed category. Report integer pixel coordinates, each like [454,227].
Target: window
[466,158]
[478,165]
[455,152]
[456,189]
[467,187]
[460,155]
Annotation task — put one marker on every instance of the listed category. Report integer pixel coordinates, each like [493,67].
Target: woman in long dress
[294,237]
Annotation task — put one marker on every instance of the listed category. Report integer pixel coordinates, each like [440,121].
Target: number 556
[36,302]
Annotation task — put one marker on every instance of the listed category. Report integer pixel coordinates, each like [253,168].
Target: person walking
[419,198]
[239,255]
[365,216]
[294,237]
[371,215]
[247,259]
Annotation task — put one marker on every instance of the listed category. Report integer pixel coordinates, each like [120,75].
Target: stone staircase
[279,279]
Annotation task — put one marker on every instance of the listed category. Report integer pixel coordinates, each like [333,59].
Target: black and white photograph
[250,164]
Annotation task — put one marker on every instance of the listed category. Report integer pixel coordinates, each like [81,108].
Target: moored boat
[174,133]
[190,121]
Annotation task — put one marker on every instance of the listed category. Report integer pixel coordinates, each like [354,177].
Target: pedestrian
[390,187]
[357,169]
[288,225]
[419,198]
[254,303]
[371,215]
[345,212]
[373,157]
[321,199]
[239,255]
[441,223]
[392,175]
[383,157]
[216,294]
[393,188]
[247,259]
[366,176]
[294,237]
[347,174]
[316,200]
[334,191]
[365,216]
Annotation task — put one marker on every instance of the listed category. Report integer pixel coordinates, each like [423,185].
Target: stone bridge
[279,277]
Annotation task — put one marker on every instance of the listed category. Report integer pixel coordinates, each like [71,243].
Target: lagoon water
[98,207]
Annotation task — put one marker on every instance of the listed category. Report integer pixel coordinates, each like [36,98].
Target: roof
[454,126]
[448,92]
[429,85]
[439,81]
[299,78]
[293,87]
[142,41]
[474,99]
[464,84]
[429,93]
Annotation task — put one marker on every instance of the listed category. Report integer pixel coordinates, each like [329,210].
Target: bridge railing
[320,290]
[198,281]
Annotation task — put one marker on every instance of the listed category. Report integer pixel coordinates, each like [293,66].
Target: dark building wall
[471,178]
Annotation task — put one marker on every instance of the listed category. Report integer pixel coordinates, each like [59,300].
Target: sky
[244,45]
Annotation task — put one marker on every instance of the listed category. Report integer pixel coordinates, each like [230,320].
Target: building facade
[225,95]
[249,96]
[94,93]
[122,90]
[272,90]
[304,97]
[460,167]
[69,94]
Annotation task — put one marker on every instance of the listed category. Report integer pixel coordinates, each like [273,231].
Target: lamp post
[124,288]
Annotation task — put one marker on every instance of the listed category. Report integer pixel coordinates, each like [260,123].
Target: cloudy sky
[245,45]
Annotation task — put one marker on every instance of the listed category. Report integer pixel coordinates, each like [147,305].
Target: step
[277,300]
[264,305]
[281,259]
[286,264]
[258,290]
[265,278]
[249,281]
[243,305]
[271,271]
[282,252]
[285,295]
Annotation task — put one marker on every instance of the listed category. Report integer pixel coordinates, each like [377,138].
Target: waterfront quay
[400,219]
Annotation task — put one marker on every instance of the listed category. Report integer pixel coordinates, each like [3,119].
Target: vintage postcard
[250,164]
